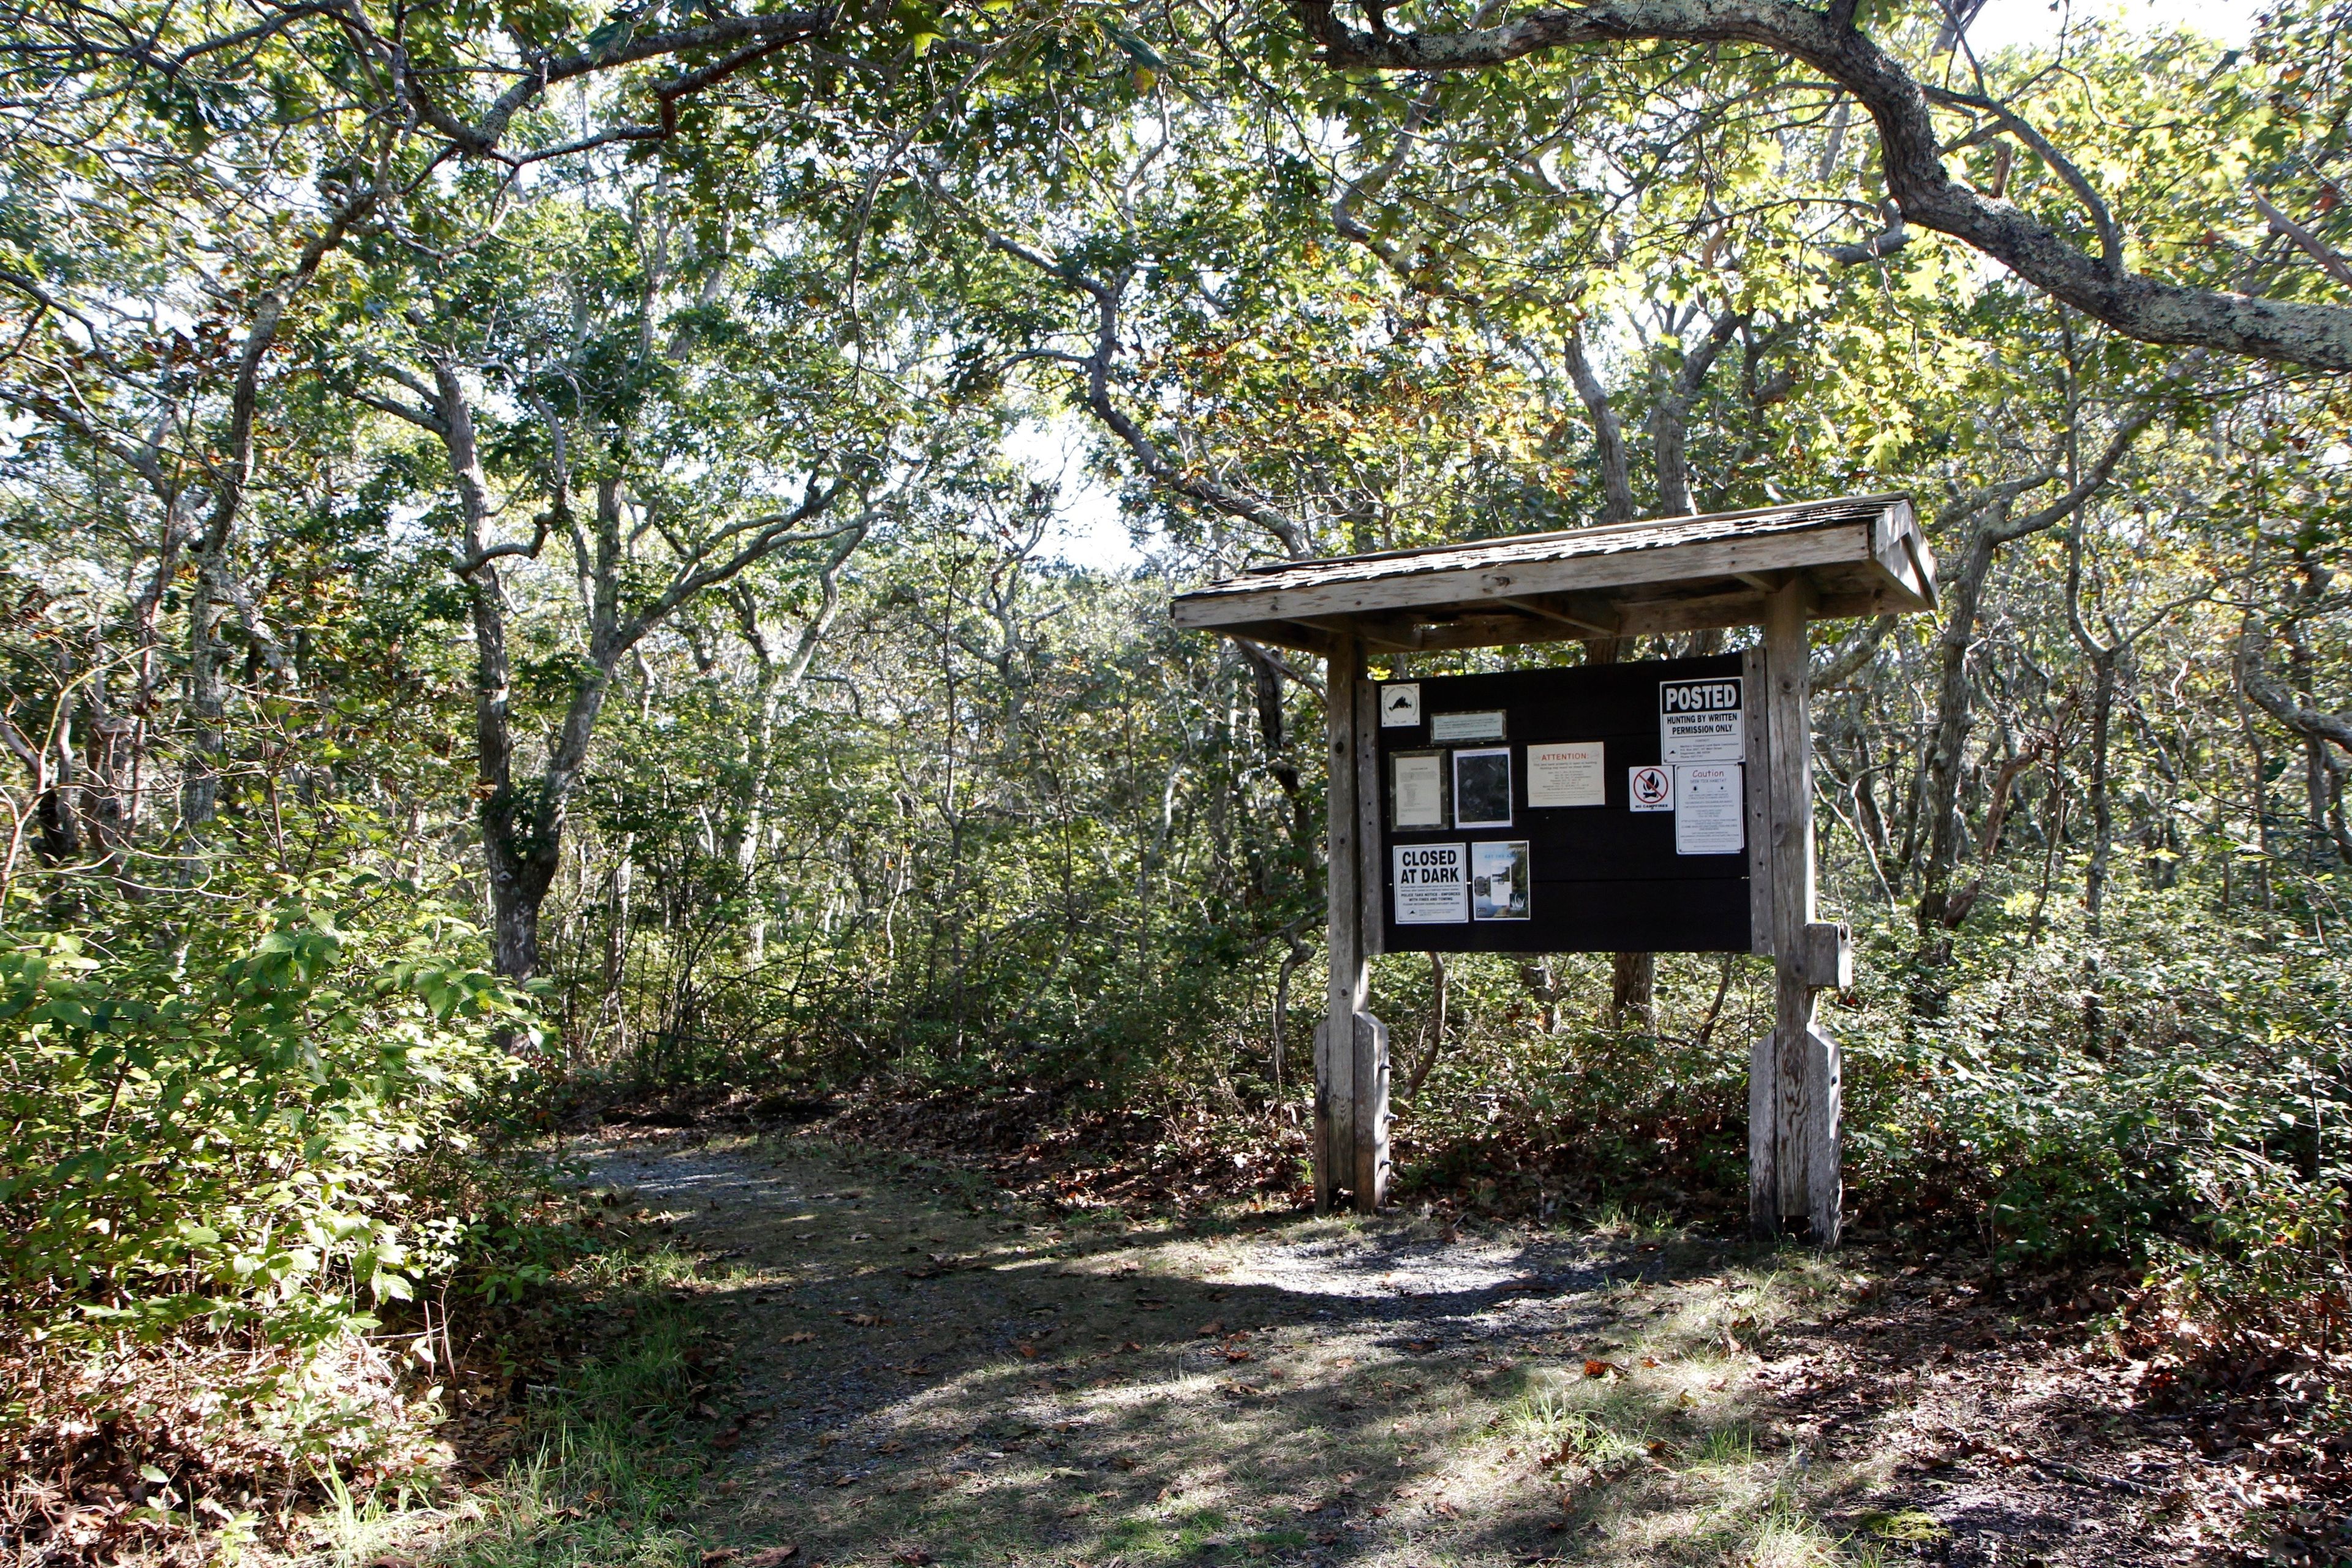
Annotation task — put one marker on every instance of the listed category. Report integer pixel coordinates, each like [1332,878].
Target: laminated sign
[1699,721]
[1432,884]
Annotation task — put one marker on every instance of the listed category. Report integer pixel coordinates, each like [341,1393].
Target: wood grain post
[1372,1080]
[1336,1054]
[1763,1059]
[1806,1070]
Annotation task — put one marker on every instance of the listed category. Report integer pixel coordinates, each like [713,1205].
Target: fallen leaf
[1130,1345]
[1651,1361]
[862,1319]
[1239,1355]
[912,1557]
[1378,1511]
[1123,1462]
[801,1338]
[843,1480]
[773,1556]
[1028,1352]
[1421,1347]
[718,1555]
[1596,1369]
[1210,1329]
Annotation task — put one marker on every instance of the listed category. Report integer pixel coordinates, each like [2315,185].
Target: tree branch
[2290,332]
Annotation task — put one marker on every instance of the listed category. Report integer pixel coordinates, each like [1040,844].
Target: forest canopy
[529,588]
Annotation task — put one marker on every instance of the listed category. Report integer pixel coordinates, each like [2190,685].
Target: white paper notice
[1566,772]
[1699,721]
[1417,782]
[1432,884]
[1486,725]
[1710,809]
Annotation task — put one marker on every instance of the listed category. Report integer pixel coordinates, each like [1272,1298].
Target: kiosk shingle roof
[1862,555]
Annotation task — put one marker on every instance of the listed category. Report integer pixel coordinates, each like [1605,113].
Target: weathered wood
[1499,625]
[1763,1143]
[1370,1179]
[1804,1128]
[1370,1156]
[1829,954]
[1469,585]
[1824,1136]
[1371,879]
[1335,1053]
[1685,572]
[1756,776]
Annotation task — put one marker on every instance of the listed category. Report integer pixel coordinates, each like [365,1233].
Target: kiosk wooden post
[1793,1089]
[1351,1046]
[1779,568]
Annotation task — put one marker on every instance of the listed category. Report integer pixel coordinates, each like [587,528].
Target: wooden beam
[1441,586]
[1743,608]
[1398,632]
[1584,626]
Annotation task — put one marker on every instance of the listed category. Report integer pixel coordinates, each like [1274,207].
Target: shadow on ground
[925,1378]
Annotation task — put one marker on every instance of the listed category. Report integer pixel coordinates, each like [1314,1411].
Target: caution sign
[1699,721]
[1432,884]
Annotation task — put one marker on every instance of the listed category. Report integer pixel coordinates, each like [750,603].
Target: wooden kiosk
[1778,567]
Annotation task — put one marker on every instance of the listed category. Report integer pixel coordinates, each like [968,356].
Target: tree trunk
[2103,820]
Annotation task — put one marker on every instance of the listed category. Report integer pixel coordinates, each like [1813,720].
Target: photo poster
[1433,885]
[1416,790]
[1498,881]
[1482,787]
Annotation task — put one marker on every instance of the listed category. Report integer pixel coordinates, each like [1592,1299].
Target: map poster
[1482,787]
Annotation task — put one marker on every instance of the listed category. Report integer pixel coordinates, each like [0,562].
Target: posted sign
[1699,721]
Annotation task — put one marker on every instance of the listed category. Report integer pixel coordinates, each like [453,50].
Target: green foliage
[210,1108]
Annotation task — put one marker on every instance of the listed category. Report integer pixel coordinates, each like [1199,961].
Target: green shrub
[208,1117]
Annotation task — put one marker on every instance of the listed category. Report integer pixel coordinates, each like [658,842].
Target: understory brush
[256,1237]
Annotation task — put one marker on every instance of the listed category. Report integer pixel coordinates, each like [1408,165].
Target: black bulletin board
[1595,878]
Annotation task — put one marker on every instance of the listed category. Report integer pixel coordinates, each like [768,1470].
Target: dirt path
[926,1377]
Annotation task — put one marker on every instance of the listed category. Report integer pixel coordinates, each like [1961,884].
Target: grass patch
[610,1456]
